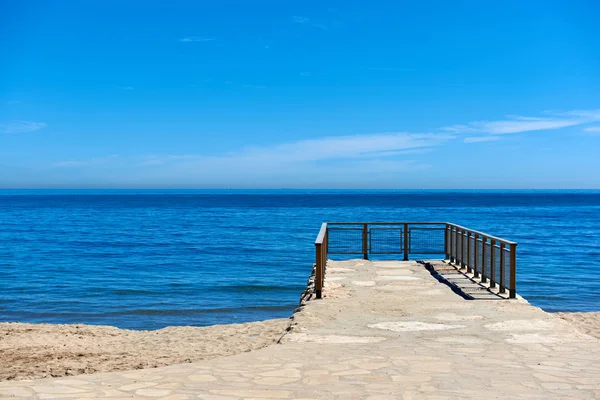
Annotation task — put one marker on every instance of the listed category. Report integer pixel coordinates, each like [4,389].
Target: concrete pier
[383,330]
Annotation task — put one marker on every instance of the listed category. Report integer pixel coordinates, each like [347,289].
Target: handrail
[321,235]
[476,251]
[389,223]
[481,234]
[425,223]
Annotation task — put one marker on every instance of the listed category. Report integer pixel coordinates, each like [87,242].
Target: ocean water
[149,259]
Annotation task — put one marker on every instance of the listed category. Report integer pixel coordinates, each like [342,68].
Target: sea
[147,259]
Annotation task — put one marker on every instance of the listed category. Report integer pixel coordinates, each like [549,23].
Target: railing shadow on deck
[490,259]
[460,282]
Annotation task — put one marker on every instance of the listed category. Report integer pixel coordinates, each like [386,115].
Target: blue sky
[290,94]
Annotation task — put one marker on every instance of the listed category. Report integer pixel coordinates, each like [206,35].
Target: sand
[585,322]
[31,351]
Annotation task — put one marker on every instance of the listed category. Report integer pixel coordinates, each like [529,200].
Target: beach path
[384,330]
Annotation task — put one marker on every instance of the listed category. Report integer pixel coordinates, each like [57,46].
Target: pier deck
[383,330]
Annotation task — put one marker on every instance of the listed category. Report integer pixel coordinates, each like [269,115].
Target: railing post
[406,242]
[460,261]
[476,264]
[365,241]
[446,242]
[452,244]
[492,263]
[468,251]
[483,276]
[512,290]
[319,270]
[502,269]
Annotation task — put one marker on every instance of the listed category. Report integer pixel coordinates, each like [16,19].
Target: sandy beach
[31,351]
[585,322]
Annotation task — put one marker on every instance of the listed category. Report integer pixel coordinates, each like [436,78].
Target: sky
[300,94]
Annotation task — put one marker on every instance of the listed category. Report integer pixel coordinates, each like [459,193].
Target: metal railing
[488,257]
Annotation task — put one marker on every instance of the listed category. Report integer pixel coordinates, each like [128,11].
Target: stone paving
[385,330]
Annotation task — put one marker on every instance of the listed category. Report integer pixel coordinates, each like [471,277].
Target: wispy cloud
[518,124]
[191,39]
[155,159]
[339,149]
[21,126]
[128,88]
[303,20]
[98,161]
[478,139]
[592,129]
[10,102]
[391,69]
[338,161]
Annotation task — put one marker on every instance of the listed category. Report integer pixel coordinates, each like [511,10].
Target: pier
[491,260]
[413,328]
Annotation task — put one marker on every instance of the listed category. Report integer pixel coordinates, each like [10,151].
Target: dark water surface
[149,259]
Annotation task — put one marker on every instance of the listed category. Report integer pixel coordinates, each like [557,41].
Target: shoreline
[35,351]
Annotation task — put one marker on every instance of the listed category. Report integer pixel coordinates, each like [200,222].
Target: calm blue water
[148,259]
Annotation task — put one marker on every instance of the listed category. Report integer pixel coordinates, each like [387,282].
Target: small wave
[260,288]
[132,292]
[188,312]
[78,317]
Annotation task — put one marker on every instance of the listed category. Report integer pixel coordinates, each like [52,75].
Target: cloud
[21,126]
[303,20]
[299,20]
[336,161]
[518,124]
[334,150]
[592,131]
[191,39]
[128,88]
[479,139]
[391,69]
[340,147]
[164,159]
[9,102]
[98,161]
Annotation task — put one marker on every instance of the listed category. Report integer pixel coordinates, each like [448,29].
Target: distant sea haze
[150,259]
